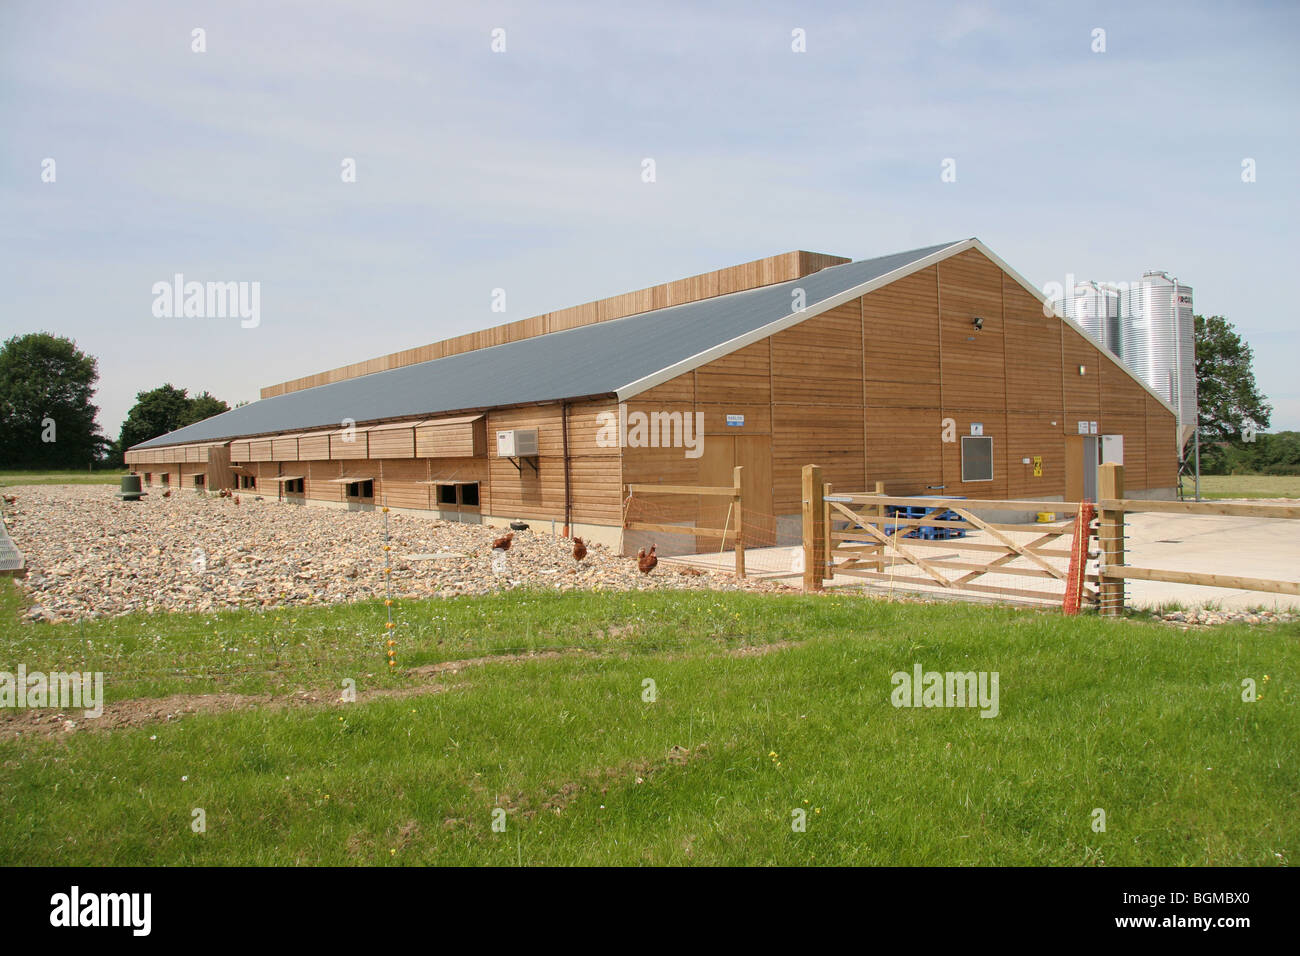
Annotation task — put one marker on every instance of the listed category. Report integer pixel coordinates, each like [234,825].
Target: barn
[936,371]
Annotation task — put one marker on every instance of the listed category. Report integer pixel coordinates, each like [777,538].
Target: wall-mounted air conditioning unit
[517,443]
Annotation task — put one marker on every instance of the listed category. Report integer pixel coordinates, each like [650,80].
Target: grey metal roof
[585,361]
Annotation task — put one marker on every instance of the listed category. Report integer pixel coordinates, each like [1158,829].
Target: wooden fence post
[814,548]
[880,513]
[740,522]
[827,540]
[1110,536]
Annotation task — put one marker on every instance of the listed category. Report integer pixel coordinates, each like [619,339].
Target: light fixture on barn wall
[1083,369]
[978,323]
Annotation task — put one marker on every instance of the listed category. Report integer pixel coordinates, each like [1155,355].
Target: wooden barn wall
[284,449]
[398,482]
[595,472]
[188,469]
[220,474]
[864,391]
[464,469]
[314,447]
[459,438]
[817,395]
[670,465]
[317,475]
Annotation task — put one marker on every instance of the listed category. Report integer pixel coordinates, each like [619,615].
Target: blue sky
[522,170]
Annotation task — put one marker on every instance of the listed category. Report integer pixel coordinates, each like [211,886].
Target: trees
[165,409]
[46,416]
[1225,382]
[155,413]
[205,406]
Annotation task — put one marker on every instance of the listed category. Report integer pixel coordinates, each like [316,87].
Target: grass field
[108,477]
[1246,486]
[764,705]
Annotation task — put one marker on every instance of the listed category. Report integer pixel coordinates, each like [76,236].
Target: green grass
[1143,721]
[111,476]
[1246,486]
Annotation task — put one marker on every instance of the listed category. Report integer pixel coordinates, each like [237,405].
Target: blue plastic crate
[924,532]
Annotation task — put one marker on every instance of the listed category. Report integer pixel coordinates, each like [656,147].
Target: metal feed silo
[1094,307]
[1158,342]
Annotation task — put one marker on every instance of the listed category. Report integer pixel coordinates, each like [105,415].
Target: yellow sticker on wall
[1038,466]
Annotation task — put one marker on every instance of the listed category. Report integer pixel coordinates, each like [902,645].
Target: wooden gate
[927,543]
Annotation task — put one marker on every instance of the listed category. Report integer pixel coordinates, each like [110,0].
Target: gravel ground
[92,555]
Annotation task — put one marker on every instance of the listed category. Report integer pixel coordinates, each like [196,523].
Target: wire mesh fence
[690,532]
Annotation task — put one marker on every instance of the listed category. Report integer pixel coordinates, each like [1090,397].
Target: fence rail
[1114,570]
[881,533]
[734,524]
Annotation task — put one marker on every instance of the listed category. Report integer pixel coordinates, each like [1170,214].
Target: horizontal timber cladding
[909,306]
[1033,351]
[748,275]
[1032,435]
[314,446]
[463,437]
[318,480]
[828,436]
[819,361]
[347,443]
[679,389]
[259,449]
[518,489]
[744,376]
[972,367]
[398,483]
[239,451]
[284,448]
[662,466]
[1082,392]
[1162,447]
[392,441]
[904,449]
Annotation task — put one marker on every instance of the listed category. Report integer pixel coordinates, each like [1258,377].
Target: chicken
[167,493]
[11,499]
[579,549]
[503,543]
[646,562]
[236,499]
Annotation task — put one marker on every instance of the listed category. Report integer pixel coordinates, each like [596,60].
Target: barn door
[754,453]
[722,453]
[716,466]
[1080,467]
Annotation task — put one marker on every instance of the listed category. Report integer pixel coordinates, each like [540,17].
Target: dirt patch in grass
[639,771]
[141,712]
[455,667]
